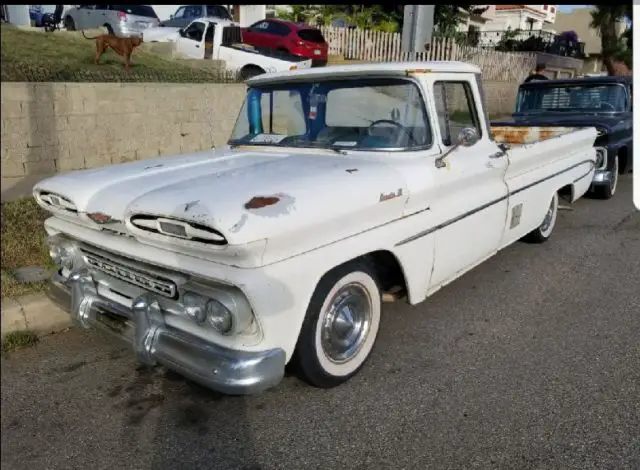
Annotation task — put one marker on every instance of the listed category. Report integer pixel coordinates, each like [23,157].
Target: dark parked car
[297,39]
[187,13]
[605,103]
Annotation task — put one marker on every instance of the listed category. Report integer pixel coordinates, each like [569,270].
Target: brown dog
[122,46]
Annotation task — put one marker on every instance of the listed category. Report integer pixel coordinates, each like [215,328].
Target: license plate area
[117,324]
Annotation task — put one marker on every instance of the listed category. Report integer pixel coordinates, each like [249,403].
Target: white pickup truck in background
[214,38]
[340,188]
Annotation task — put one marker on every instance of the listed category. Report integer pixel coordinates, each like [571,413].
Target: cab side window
[195,31]
[456,110]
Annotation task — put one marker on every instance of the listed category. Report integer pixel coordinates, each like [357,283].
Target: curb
[33,312]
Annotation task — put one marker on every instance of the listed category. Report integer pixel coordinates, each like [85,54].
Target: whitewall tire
[544,230]
[340,326]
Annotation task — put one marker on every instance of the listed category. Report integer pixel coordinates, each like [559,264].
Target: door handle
[498,154]
[198,45]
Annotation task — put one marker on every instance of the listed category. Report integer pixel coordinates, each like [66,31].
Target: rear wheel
[543,232]
[607,191]
[340,326]
[69,24]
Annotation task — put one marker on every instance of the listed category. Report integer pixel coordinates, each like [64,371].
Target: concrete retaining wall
[56,127]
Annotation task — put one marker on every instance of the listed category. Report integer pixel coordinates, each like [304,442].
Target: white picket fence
[367,45]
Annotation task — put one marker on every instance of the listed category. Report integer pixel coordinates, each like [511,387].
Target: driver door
[190,43]
[471,201]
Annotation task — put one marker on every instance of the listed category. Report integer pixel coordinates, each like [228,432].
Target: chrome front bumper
[221,369]
[602,178]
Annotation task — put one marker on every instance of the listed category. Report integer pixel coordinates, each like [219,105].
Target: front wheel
[340,326]
[608,190]
[543,232]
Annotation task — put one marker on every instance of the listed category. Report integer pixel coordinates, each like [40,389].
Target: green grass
[18,339]
[66,56]
[22,244]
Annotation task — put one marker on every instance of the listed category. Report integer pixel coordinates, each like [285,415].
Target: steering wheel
[394,123]
[607,104]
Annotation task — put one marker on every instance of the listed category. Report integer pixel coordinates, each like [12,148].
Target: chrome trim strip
[450,221]
[491,203]
[557,173]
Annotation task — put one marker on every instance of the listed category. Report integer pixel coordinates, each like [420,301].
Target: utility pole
[417,27]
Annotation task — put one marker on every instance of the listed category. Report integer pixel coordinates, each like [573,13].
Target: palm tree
[605,19]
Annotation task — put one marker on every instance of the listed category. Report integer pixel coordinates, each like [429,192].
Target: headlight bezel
[601,157]
[226,312]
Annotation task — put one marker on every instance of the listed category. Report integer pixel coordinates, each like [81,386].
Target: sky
[568,8]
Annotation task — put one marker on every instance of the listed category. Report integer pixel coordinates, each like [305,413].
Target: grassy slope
[22,243]
[64,56]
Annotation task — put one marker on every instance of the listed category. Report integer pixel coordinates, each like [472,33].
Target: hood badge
[101,218]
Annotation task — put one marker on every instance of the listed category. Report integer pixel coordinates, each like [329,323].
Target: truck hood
[301,188]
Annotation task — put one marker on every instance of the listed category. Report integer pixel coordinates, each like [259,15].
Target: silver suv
[119,20]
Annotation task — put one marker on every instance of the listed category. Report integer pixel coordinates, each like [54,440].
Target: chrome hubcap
[549,217]
[346,323]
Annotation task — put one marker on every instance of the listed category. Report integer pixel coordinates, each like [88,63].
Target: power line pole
[417,27]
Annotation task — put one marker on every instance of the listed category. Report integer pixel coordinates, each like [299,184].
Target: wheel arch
[248,67]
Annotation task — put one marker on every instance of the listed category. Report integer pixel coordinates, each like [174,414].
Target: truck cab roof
[374,68]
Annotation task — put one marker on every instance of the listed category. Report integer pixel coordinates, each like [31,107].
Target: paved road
[532,360]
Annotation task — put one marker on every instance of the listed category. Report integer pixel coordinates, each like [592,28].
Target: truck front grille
[164,287]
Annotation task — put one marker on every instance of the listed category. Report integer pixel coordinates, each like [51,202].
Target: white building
[524,17]
[488,28]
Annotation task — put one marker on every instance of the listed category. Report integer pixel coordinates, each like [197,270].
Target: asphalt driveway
[532,360]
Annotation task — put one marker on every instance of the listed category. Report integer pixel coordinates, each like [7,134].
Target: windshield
[572,98]
[371,114]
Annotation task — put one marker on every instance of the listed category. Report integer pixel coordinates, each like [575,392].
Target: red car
[296,39]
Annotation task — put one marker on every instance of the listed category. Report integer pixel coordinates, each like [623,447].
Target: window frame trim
[470,97]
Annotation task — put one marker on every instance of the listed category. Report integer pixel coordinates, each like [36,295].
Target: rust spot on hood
[258,202]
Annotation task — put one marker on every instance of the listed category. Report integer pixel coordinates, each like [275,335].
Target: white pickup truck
[214,38]
[340,188]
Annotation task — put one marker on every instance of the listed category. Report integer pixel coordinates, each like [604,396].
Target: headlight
[62,252]
[67,256]
[194,307]
[203,309]
[219,317]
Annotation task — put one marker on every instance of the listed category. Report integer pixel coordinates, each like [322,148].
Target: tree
[389,16]
[299,13]
[605,19]
[446,18]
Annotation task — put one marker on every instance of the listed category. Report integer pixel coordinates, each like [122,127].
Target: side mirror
[468,137]
[181,32]
[171,17]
